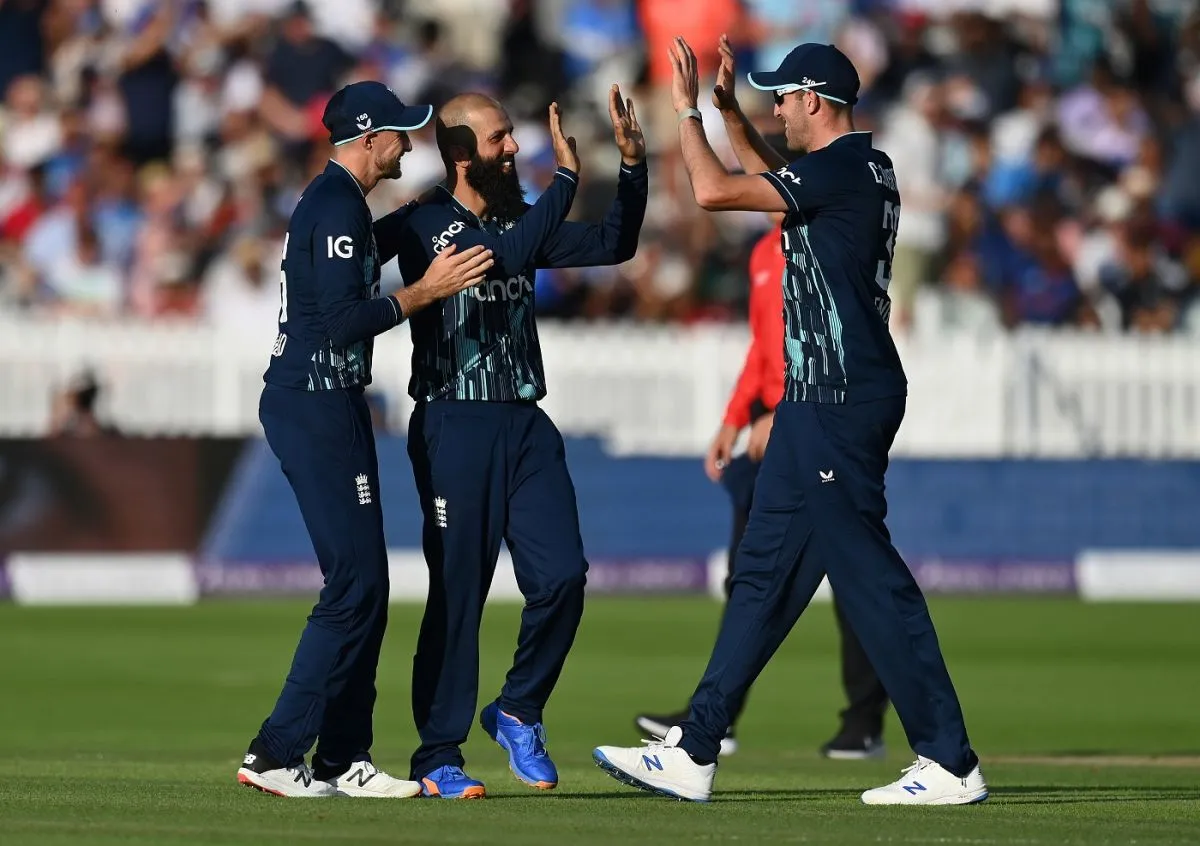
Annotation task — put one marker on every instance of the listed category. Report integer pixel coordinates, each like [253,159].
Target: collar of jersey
[341,168]
[463,210]
[858,137]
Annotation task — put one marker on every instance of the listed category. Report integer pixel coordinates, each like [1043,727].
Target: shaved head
[459,122]
[475,139]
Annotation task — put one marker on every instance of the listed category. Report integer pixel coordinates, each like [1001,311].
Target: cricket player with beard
[489,464]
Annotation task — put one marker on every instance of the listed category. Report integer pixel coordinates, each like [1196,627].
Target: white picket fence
[652,390]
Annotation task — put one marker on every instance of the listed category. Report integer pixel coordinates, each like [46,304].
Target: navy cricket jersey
[482,343]
[330,310]
[838,239]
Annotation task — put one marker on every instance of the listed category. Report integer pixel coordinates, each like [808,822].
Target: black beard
[500,190]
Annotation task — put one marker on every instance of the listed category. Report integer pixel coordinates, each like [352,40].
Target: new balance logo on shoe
[363,485]
[910,789]
[249,759]
[652,763]
[439,512]
[361,775]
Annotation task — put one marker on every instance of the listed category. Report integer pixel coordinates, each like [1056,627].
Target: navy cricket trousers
[325,443]
[819,508]
[486,472]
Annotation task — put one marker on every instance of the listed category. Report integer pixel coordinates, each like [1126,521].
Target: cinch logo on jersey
[497,290]
[442,240]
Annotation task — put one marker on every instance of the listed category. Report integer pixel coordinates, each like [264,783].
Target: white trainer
[365,780]
[294,781]
[660,767]
[927,782]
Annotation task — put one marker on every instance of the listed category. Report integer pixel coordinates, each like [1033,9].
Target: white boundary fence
[650,389]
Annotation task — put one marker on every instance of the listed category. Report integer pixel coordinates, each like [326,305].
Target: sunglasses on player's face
[779,93]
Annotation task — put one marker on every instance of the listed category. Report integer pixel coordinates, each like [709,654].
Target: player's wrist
[689,112]
[415,297]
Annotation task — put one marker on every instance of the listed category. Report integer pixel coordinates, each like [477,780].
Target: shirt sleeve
[514,250]
[613,240]
[346,311]
[805,184]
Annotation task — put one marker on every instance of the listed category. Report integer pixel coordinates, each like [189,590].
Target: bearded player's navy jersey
[838,239]
[482,343]
[330,308]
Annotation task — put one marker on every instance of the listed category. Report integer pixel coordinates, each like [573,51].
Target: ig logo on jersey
[340,247]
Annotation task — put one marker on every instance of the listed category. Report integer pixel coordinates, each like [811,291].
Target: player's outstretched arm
[714,187]
[449,273]
[615,239]
[752,150]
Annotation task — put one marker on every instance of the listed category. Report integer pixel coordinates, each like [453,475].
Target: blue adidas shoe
[451,783]
[525,745]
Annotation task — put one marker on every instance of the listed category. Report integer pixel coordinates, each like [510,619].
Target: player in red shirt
[759,389]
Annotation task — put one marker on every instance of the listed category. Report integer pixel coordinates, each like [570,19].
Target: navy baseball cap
[369,106]
[820,68]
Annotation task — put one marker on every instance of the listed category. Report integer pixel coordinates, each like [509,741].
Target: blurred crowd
[1048,151]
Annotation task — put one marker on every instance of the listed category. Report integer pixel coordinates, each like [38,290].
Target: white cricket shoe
[294,781]
[660,767]
[926,782]
[365,780]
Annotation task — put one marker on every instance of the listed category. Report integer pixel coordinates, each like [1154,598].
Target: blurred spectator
[1048,154]
[22,50]
[1147,285]
[302,72]
[73,410]
[32,133]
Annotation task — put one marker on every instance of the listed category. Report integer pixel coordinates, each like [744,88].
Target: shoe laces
[534,740]
[657,742]
[917,765]
[303,772]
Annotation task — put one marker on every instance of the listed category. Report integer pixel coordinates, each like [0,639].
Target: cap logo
[363,122]
[809,82]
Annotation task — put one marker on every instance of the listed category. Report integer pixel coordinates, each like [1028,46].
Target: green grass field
[126,726]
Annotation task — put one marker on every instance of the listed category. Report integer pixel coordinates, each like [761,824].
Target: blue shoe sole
[493,732]
[625,778]
[473,791]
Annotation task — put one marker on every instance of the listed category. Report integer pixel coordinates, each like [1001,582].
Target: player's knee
[565,583]
[357,599]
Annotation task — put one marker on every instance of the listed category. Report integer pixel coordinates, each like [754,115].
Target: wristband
[690,113]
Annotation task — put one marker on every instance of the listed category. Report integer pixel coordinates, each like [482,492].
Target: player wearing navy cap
[317,423]
[819,500]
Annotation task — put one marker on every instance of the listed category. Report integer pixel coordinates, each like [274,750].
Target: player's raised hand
[685,80]
[724,92]
[452,271]
[564,146]
[626,128]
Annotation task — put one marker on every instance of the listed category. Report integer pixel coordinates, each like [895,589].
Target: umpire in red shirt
[759,389]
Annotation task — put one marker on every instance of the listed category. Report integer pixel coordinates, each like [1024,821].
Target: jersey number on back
[283,283]
[891,222]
